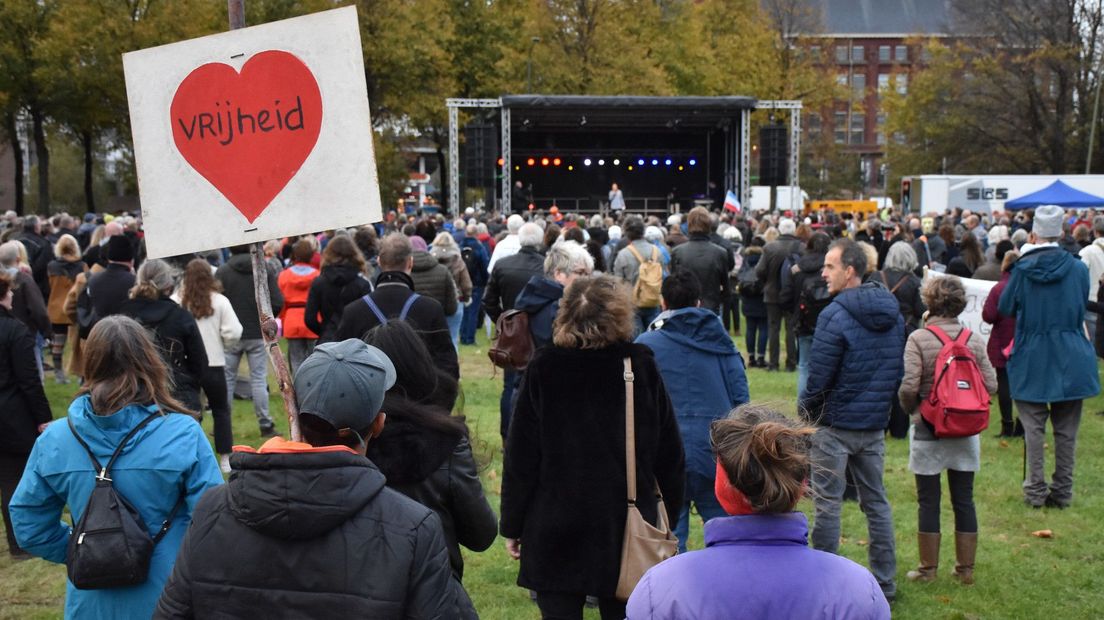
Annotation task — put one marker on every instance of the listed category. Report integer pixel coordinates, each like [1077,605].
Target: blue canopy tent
[1057,193]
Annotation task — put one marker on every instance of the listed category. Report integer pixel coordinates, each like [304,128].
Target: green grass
[1018,575]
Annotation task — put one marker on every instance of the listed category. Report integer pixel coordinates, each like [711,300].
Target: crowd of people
[377,499]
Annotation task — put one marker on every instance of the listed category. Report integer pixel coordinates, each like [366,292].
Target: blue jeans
[257,358]
[643,318]
[471,317]
[804,352]
[833,450]
[756,336]
[453,321]
[699,490]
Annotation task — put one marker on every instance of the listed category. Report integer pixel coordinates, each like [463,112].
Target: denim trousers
[453,321]
[470,322]
[699,491]
[1065,419]
[834,450]
[642,319]
[254,352]
[804,352]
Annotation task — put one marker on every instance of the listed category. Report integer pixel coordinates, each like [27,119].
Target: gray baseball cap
[344,383]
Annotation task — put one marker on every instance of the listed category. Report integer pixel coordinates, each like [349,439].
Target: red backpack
[958,405]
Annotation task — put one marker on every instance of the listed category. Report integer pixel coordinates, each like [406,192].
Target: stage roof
[588,113]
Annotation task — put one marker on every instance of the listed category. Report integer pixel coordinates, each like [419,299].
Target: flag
[731,203]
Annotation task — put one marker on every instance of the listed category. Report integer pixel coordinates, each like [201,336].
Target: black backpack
[811,300]
[110,547]
[750,286]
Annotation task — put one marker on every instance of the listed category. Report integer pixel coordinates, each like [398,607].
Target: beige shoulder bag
[643,546]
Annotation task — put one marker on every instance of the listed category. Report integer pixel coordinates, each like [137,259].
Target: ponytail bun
[765,456]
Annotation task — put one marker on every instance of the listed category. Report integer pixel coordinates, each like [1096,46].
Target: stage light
[517,167]
[630,167]
[570,167]
[640,162]
[617,162]
[501,161]
[601,162]
[556,161]
[544,161]
[586,162]
[667,162]
[655,162]
[680,168]
[531,161]
[693,162]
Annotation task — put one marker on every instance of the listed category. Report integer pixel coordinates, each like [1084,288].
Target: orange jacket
[295,283]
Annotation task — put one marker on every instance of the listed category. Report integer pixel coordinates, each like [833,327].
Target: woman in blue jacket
[168,460]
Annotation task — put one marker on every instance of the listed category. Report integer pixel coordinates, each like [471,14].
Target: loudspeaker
[479,154]
[774,164]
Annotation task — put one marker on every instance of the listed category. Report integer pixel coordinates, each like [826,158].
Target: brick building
[872,47]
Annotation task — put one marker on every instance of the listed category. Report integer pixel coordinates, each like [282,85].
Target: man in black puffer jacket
[309,530]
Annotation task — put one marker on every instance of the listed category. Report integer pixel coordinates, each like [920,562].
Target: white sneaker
[224,463]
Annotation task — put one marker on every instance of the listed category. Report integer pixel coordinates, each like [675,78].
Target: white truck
[935,194]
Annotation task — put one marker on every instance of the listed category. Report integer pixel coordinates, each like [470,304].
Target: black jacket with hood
[334,288]
[309,534]
[178,339]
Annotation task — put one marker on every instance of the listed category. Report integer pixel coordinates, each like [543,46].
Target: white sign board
[253,134]
[977,291]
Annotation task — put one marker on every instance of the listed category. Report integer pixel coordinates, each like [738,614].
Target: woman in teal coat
[168,460]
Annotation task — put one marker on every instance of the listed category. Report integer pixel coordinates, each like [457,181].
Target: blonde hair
[67,248]
[594,313]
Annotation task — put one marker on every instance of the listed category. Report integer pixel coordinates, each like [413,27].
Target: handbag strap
[630,433]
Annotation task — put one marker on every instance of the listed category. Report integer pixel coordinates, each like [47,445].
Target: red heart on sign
[248,133]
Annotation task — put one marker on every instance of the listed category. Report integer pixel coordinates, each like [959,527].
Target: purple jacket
[757,566]
[1004,327]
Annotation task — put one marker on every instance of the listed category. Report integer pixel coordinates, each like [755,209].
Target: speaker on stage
[774,164]
[479,154]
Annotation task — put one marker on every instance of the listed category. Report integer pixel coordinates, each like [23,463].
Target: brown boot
[965,551]
[929,557]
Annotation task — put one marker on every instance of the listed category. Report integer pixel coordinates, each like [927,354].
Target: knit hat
[119,249]
[418,244]
[1048,221]
[344,383]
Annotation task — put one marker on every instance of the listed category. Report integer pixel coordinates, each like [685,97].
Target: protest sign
[254,134]
[977,291]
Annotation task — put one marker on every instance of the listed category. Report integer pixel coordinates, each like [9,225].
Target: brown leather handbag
[644,545]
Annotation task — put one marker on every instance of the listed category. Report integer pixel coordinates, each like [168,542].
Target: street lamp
[529,65]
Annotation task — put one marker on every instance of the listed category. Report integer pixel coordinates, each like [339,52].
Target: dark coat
[236,277]
[563,486]
[1004,327]
[789,296]
[436,469]
[425,316]
[106,292]
[477,267]
[857,360]
[39,254]
[541,299]
[508,277]
[23,404]
[751,305]
[29,306]
[907,294]
[177,338]
[335,287]
[710,263]
[1052,360]
[770,268]
[433,280]
[309,535]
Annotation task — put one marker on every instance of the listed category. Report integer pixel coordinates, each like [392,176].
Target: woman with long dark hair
[167,464]
[425,452]
[564,498]
[200,294]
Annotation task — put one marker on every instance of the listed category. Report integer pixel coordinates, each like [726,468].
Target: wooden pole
[235,10]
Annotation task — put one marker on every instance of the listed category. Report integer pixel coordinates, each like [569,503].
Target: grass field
[1018,575]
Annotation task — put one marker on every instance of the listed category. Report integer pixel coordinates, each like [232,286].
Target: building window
[841,79]
[925,55]
[858,84]
[900,53]
[841,54]
[813,122]
[902,83]
[858,125]
[884,53]
[857,54]
[883,83]
[814,53]
[840,127]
